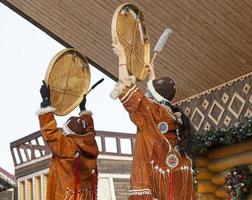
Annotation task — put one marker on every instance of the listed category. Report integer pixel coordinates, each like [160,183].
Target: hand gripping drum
[128,29]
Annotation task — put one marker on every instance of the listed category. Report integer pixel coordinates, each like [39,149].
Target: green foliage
[227,136]
[238,182]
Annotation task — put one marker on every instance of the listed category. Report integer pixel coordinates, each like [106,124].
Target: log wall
[214,164]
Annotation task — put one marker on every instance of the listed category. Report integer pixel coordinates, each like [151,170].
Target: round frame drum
[128,29]
[68,76]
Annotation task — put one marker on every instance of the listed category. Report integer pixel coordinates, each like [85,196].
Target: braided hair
[185,134]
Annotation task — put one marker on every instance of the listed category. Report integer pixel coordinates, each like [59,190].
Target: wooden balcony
[33,146]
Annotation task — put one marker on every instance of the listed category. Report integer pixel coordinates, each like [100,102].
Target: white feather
[162,40]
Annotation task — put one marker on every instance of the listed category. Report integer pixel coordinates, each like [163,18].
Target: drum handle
[153,58]
[93,86]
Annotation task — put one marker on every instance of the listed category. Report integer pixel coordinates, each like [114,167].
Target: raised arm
[123,71]
[125,81]
[54,137]
[48,125]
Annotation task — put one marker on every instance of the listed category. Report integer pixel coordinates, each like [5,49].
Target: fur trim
[121,85]
[66,130]
[128,95]
[154,93]
[47,109]
[89,112]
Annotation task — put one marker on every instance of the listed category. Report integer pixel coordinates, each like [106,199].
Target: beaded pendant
[163,127]
[172,161]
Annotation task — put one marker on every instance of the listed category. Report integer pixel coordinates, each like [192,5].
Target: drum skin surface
[129,30]
[68,76]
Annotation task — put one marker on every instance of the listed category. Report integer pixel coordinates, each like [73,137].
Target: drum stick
[97,83]
[153,58]
[160,43]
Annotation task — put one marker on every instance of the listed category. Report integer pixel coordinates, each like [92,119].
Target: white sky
[25,52]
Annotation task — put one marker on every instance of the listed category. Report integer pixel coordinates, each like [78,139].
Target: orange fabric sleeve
[131,98]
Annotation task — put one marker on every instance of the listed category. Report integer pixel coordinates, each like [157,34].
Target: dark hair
[185,134]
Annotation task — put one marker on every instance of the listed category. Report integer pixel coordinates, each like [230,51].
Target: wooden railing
[113,143]
[33,146]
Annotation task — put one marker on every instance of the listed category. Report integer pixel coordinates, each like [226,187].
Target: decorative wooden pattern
[33,146]
[221,106]
[210,45]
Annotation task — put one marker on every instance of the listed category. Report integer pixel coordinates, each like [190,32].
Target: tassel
[195,195]
[170,188]
[77,158]
[94,183]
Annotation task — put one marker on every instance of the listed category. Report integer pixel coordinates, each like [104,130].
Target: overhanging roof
[211,42]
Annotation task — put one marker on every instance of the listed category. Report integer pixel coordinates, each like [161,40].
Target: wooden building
[7,185]
[221,107]
[209,55]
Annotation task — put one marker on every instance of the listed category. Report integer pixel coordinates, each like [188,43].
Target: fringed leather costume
[73,172]
[159,170]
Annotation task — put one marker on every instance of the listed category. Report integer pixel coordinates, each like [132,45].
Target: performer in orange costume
[73,171]
[161,168]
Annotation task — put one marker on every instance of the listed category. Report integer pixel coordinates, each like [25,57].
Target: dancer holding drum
[73,167]
[161,167]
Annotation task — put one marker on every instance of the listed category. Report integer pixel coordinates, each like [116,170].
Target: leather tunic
[63,180]
[154,174]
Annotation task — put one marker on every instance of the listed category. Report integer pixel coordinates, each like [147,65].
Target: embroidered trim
[129,91]
[121,85]
[154,93]
[140,192]
[163,127]
[66,130]
[172,161]
[81,194]
[167,108]
[209,91]
[169,169]
[130,95]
